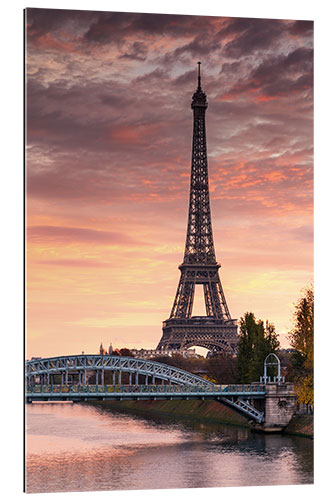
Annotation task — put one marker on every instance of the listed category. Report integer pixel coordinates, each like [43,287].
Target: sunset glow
[109,130]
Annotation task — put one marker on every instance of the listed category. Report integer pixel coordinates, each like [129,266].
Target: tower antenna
[199,77]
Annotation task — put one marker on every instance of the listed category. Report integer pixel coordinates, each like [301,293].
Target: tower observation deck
[216,331]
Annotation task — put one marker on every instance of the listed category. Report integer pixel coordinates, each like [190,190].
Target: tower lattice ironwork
[216,331]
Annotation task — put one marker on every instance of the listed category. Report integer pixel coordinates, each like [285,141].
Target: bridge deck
[91,392]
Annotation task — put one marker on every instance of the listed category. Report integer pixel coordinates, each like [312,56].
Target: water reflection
[82,448]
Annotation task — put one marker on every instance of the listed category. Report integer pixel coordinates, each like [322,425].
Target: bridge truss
[78,368]
[74,372]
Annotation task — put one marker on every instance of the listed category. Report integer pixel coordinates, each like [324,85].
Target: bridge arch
[44,369]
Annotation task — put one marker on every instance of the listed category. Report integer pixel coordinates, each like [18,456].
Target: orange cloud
[47,41]
[133,134]
[265,98]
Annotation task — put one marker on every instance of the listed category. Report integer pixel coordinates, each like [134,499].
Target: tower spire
[199,77]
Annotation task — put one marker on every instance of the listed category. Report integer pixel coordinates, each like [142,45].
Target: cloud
[279,76]
[304,28]
[303,234]
[186,79]
[152,77]
[49,26]
[201,45]
[84,263]
[112,27]
[251,35]
[63,235]
[137,51]
[230,68]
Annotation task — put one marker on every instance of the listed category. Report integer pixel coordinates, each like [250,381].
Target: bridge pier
[279,407]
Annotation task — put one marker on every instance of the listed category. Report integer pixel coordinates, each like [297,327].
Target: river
[79,447]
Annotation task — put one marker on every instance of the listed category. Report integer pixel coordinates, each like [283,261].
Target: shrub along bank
[200,410]
[300,425]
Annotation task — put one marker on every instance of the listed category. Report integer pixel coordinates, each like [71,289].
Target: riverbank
[204,411]
[301,425]
[198,410]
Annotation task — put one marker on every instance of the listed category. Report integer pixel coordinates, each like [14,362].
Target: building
[216,330]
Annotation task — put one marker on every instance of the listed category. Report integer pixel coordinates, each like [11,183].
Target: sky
[108,135]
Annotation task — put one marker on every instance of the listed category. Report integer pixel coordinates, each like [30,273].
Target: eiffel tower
[216,331]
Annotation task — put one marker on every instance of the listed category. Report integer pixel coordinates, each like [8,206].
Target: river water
[78,447]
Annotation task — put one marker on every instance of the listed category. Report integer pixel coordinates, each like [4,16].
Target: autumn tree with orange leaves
[301,339]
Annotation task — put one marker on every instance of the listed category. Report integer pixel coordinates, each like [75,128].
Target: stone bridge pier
[279,407]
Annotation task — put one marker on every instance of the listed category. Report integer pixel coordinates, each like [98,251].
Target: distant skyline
[109,130]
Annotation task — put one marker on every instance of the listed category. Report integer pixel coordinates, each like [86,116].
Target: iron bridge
[81,378]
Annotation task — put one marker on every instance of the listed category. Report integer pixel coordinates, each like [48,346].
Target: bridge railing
[160,389]
[244,388]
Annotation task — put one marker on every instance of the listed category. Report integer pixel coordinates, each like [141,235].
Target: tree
[266,341]
[176,360]
[222,368]
[255,343]
[301,339]
[125,352]
[248,328]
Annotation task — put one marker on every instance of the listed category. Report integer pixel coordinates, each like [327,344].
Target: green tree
[301,339]
[248,328]
[255,342]
[222,368]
